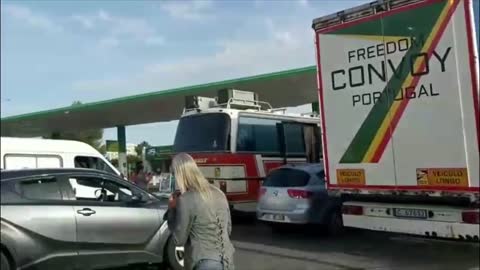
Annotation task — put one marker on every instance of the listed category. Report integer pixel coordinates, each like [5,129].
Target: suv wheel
[175,255]
[335,223]
[4,263]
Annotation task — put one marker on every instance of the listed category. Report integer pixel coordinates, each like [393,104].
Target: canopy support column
[122,150]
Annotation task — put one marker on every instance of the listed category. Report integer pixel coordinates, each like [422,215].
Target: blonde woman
[199,218]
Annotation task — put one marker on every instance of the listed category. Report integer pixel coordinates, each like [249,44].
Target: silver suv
[80,219]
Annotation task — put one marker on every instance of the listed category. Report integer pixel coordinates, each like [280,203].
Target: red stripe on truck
[403,105]
[322,111]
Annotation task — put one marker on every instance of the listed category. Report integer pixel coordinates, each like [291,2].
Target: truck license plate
[410,213]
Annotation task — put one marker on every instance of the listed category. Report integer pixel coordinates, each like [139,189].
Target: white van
[24,153]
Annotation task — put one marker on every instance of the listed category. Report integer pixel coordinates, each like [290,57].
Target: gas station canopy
[281,89]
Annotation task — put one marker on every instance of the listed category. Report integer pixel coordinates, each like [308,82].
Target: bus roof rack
[236,103]
[235,99]
[229,99]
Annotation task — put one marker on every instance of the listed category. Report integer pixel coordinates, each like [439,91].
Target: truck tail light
[471,217]
[299,194]
[352,210]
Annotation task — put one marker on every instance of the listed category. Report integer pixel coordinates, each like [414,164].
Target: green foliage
[114,162]
[140,146]
[132,159]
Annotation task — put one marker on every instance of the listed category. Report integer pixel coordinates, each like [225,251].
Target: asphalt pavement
[308,248]
[257,247]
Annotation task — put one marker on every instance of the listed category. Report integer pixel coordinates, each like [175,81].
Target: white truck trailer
[399,99]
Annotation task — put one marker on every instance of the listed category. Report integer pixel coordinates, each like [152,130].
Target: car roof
[8,174]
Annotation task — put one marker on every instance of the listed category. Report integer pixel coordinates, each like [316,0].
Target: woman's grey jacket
[203,228]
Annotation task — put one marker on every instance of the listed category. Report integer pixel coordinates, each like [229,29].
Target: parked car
[296,194]
[80,219]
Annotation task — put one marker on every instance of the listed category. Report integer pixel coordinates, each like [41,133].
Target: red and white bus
[236,140]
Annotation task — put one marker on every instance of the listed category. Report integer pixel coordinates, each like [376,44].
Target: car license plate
[278,217]
[410,213]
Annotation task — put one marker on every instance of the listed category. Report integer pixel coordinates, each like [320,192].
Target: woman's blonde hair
[189,177]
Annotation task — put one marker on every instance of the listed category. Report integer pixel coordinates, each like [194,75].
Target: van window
[92,163]
[48,162]
[17,161]
[20,162]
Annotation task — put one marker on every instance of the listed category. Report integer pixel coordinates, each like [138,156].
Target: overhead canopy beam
[281,89]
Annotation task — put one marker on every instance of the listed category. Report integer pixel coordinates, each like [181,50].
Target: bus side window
[313,143]
[294,139]
[257,135]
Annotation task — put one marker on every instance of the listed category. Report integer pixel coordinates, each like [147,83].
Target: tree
[114,162]
[92,137]
[132,159]
[140,146]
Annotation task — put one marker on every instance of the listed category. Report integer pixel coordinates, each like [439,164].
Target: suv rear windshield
[287,178]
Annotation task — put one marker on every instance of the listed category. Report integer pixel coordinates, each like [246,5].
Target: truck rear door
[398,87]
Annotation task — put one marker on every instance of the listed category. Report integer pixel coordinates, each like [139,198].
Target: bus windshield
[203,133]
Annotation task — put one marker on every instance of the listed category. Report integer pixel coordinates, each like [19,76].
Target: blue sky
[55,52]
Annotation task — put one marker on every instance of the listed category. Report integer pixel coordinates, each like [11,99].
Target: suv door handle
[86,212]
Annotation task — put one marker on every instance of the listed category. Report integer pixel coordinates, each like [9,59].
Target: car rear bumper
[294,217]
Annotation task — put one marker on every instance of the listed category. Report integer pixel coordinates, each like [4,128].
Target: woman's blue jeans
[209,265]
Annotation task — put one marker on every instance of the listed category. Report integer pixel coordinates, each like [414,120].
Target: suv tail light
[299,194]
[471,217]
[352,210]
